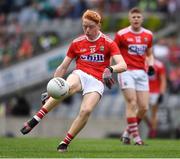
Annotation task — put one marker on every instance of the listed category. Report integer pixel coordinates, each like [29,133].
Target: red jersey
[133,46]
[154,81]
[93,57]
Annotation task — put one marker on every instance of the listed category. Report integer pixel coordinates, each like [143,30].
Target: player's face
[91,29]
[136,20]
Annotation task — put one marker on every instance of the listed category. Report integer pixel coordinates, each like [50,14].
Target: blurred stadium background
[34,36]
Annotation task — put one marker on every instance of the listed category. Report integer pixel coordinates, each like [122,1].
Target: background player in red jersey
[157,86]
[92,52]
[135,43]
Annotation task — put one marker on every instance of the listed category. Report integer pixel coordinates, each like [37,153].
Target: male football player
[157,86]
[92,52]
[135,43]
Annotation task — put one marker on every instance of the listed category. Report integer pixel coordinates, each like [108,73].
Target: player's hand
[160,99]
[151,71]
[107,77]
[44,97]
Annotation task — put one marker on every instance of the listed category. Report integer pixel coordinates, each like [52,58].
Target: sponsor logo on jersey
[137,49]
[93,57]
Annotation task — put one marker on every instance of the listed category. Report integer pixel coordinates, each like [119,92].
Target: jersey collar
[94,39]
[135,32]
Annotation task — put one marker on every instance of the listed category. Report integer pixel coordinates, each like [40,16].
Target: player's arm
[111,61]
[163,83]
[150,61]
[60,72]
[120,65]
[150,57]
[62,68]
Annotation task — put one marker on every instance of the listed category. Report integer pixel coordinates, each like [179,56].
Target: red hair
[92,15]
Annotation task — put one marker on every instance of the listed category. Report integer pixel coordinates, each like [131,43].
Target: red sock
[139,120]
[40,114]
[68,138]
[133,129]
[152,133]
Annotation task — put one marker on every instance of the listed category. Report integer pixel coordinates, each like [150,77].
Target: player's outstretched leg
[28,126]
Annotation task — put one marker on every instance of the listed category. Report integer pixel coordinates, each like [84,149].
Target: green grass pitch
[87,148]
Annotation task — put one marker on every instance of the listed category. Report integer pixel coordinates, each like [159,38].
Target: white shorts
[135,79]
[89,83]
[153,97]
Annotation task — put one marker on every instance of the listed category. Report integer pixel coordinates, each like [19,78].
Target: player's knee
[143,109]
[85,112]
[131,101]
[132,105]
